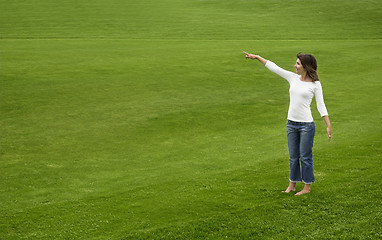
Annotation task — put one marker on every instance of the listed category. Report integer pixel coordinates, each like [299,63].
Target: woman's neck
[305,78]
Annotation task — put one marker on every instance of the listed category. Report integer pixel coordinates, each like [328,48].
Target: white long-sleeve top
[301,94]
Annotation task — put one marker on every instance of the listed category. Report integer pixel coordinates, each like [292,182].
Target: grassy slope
[142,120]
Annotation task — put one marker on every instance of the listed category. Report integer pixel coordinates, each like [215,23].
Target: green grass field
[143,120]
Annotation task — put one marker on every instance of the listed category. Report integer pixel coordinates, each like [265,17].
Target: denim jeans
[300,143]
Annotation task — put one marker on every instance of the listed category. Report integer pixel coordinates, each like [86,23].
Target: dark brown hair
[309,63]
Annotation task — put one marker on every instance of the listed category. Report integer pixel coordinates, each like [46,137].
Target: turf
[142,120]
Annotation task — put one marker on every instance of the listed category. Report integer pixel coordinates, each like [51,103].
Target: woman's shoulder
[317,86]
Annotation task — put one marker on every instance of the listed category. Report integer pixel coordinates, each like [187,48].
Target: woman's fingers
[247,55]
[329,133]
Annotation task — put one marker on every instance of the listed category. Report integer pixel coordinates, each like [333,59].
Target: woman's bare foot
[302,192]
[291,188]
[305,190]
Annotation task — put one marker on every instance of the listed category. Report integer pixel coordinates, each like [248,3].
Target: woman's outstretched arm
[253,56]
[272,67]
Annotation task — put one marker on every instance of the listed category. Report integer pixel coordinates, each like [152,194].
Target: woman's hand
[328,126]
[251,56]
[329,131]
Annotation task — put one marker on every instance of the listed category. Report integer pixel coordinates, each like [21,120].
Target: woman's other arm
[322,108]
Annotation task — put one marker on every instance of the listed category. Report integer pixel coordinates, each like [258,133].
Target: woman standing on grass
[304,84]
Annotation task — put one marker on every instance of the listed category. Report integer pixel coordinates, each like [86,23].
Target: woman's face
[299,67]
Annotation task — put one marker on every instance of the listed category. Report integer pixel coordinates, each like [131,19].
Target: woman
[304,84]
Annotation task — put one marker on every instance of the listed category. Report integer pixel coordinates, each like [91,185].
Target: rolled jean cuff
[294,181]
[300,181]
[308,183]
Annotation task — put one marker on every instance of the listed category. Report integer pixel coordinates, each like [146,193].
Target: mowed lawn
[143,120]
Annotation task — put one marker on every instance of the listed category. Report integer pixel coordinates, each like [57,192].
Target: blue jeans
[300,143]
